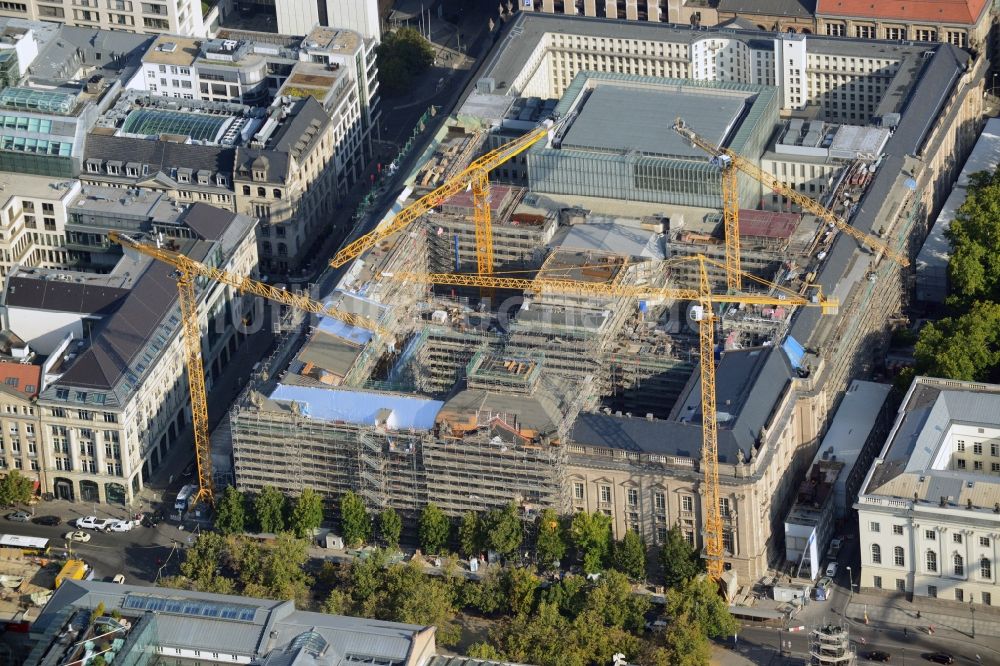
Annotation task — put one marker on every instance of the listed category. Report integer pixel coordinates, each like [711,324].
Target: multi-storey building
[182,17]
[33,220]
[361,16]
[964,23]
[929,509]
[113,401]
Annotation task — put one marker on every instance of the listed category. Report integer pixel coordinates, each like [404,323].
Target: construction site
[548,346]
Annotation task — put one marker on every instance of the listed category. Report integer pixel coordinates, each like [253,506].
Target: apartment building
[181,17]
[113,401]
[928,508]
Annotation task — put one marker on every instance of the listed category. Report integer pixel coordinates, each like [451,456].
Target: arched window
[261,192]
[282,250]
[266,247]
[985,568]
[898,556]
[276,193]
[931,561]
[876,554]
[959,565]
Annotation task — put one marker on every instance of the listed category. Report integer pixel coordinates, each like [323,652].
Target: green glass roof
[29,99]
[198,126]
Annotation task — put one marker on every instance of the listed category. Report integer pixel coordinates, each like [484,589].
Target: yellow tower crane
[703,315]
[187,271]
[477,177]
[730,164]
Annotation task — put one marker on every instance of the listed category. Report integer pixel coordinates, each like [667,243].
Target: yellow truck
[72,570]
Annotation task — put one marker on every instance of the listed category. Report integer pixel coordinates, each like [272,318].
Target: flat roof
[768,224]
[611,237]
[172,50]
[854,420]
[619,117]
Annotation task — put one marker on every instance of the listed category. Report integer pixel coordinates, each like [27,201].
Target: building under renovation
[590,400]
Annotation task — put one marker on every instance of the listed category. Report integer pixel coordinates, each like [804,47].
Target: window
[898,556]
[930,535]
[985,568]
[633,497]
[977,448]
[901,584]
[246,190]
[960,463]
[956,537]
[995,450]
[959,594]
[877,582]
[660,503]
[724,507]
[728,541]
[873,527]
[984,542]
[276,193]
[876,554]
[932,591]
[977,465]
[959,565]
[995,467]
[261,192]
[661,534]
[687,503]
[987,598]
[960,445]
[606,494]
[578,490]
[897,529]
[932,561]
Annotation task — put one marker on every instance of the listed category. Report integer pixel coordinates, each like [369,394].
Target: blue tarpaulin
[794,351]
[361,407]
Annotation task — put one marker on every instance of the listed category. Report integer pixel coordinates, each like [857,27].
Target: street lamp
[850,578]
[972,611]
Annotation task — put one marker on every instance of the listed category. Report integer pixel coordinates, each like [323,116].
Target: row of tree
[966,344]
[270,512]
[15,488]
[501,531]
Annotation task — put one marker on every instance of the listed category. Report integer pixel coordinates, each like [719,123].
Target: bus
[26,545]
[185,497]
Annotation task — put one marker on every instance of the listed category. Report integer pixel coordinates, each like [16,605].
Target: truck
[185,497]
[72,570]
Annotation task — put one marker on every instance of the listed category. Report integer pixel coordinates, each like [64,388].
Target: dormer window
[93,166]
[221,180]
[114,168]
[259,175]
[132,169]
[184,175]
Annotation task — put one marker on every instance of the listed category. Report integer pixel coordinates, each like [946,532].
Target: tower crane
[731,163]
[187,271]
[475,176]
[704,316]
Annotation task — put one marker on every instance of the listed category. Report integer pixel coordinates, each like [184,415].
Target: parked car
[78,535]
[93,523]
[119,526]
[119,578]
[50,521]
[878,655]
[19,516]
[831,570]
[939,657]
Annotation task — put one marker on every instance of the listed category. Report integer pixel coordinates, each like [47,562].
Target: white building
[929,509]
[33,220]
[299,18]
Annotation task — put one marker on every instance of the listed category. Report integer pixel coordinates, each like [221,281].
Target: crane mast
[730,162]
[474,177]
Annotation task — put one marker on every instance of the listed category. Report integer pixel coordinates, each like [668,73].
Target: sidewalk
[948,620]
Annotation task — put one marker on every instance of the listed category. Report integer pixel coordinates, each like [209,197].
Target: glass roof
[195,607]
[198,126]
[29,99]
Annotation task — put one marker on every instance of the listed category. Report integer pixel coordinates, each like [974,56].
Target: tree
[402,55]
[592,536]
[470,535]
[281,572]
[269,507]
[520,586]
[416,598]
[629,555]
[434,528]
[686,643]
[354,520]
[974,267]
[613,601]
[679,560]
[307,514]
[230,513]
[202,568]
[965,347]
[15,488]
[390,525]
[504,531]
[550,545]
[698,600]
